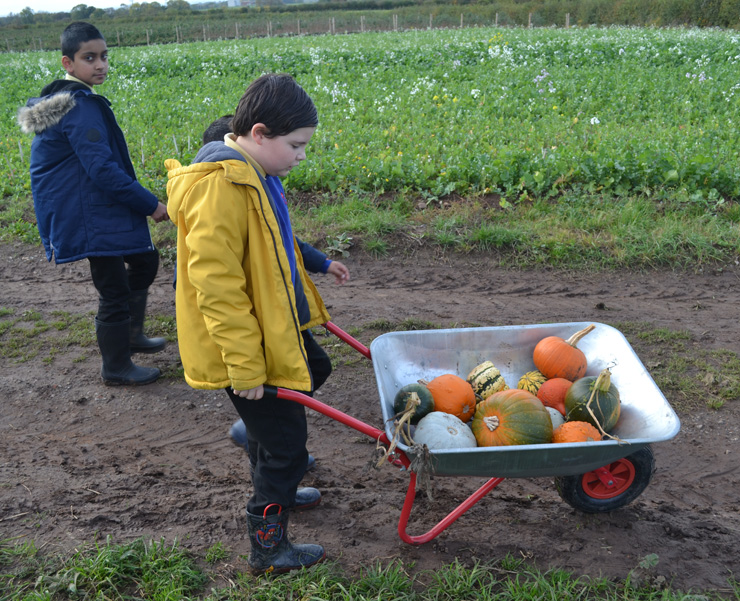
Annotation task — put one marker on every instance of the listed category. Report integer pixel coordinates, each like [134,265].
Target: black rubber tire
[580,491]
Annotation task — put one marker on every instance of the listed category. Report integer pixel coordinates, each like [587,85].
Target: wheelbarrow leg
[447,521]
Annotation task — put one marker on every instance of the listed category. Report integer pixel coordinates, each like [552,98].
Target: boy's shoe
[238,433]
[118,369]
[272,552]
[306,498]
[139,343]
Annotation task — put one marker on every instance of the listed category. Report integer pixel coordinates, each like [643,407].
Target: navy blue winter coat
[85,193]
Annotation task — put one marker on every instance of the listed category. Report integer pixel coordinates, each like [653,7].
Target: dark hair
[76,34]
[216,131]
[278,102]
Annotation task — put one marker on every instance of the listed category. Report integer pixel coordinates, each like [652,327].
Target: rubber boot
[118,369]
[137,309]
[271,549]
[238,433]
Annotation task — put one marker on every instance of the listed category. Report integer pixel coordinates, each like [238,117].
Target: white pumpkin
[556,417]
[439,430]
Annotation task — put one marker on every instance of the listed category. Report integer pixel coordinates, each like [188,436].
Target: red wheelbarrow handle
[343,336]
[347,420]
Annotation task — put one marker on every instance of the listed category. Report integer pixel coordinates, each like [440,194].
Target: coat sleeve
[314,260]
[216,224]
[91,138]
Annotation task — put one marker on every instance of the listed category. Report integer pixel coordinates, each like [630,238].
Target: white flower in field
[475,93]
[595,121]
[207,100]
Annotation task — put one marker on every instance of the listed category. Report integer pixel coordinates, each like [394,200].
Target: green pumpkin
[511,417]
[420,392]
[605,405]
[486,379]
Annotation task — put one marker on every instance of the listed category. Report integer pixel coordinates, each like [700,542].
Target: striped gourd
[531,381]
[486,379]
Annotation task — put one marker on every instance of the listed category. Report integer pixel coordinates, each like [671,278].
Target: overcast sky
[55,6]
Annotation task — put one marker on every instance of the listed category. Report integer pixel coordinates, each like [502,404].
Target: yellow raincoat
[237,323]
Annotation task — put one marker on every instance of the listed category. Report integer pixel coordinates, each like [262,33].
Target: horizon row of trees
[179,21]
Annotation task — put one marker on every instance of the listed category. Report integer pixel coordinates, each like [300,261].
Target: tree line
[179,21]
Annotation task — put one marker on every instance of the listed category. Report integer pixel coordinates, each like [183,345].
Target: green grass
[157,571]
[587,148]
[29,334]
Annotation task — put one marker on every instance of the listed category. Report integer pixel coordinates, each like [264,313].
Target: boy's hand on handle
[253,394]
[339,271]
[160,213]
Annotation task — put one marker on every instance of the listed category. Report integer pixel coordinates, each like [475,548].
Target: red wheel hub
[609,481]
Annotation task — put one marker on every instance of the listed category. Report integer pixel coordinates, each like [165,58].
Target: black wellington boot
[118,369]
[137,309]
[271,549]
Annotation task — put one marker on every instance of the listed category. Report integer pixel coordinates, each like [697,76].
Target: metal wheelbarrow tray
[592,477]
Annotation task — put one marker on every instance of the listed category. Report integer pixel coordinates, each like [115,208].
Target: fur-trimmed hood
[42,113]
[45,111]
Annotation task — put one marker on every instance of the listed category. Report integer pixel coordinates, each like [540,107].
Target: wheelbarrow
[592,477]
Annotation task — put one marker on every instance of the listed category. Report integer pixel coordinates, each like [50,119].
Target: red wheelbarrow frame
[398,457]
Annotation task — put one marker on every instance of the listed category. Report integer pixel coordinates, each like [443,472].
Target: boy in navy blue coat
[89,204]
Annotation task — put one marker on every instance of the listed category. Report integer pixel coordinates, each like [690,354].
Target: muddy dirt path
[80,460]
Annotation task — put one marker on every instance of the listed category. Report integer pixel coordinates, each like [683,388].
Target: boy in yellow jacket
[245,302]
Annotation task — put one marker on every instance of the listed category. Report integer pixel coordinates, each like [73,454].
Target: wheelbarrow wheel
[611,487]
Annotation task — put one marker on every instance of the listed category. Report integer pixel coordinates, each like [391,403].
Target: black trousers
[116,277]
[277,433]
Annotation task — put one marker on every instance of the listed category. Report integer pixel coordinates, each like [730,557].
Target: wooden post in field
[204,32]
[430,20]
[461,20]
[20,150]
[567,20]
[299,27]
[10,168]
[530,20]
[177,150]
[496,22]
[118,37]
[331,26]
[236,30]
[362,23]
[395,22]
[147,37]
[7,43]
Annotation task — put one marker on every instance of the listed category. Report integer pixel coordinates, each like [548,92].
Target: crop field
[516,112]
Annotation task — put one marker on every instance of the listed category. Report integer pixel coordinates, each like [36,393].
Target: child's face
[280,154]
[90,62]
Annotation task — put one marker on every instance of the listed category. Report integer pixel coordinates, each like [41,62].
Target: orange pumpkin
[575,432]
[452,394]
[558,358]
[552,393]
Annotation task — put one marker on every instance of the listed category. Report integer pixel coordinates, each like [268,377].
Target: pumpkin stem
[604,381]
[401,428]
[602,384]
[491,422]
[575,339]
